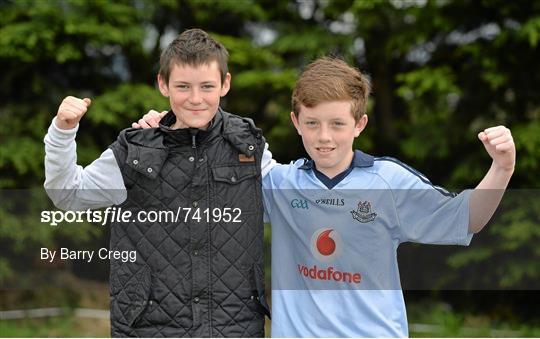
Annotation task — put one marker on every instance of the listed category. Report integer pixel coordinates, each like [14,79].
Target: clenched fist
[71,111]
[500,146]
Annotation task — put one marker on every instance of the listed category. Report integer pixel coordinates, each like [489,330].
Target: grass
[66,326]
[431,320]
[439,320]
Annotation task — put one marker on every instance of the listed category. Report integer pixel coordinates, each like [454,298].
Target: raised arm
[70,186]
[485,198]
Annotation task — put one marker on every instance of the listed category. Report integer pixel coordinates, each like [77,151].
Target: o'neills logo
[330,201]
[326,245]
[329,274]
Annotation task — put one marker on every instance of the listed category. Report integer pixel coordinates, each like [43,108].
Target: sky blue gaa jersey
[334,242]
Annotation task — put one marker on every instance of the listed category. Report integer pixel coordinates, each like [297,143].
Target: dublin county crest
[363,213]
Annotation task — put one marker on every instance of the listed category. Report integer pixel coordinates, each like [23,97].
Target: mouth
[325,150]
[197,110]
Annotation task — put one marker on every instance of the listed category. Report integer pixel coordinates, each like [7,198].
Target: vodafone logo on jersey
[326,245]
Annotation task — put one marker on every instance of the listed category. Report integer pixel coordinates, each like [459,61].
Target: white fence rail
[54,312]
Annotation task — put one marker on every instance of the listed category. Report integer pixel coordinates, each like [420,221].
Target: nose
[195,98]
[324,134]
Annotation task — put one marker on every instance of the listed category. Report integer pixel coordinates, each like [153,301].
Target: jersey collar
[360,159]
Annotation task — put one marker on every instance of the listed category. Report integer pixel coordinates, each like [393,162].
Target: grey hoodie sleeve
[72,187]
[267,162]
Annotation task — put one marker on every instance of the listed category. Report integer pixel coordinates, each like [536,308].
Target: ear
[226,86]
[163,87]
[296,123]
[360,125]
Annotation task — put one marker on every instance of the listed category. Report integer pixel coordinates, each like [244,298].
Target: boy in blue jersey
[338,218]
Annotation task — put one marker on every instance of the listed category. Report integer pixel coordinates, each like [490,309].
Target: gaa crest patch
[363,212]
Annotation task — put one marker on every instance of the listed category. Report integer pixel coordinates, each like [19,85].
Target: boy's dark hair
[331,79]
[193,47]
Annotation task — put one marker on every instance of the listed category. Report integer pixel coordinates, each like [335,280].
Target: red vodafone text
[329,274]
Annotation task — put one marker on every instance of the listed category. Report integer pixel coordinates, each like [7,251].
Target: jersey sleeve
[270,184]
[430,214]
[267,185]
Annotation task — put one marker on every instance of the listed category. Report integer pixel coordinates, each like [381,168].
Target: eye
[208,87]
[339,123]
[182,87]
[311,123]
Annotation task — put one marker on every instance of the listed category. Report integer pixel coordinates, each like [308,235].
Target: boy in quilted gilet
[201,273]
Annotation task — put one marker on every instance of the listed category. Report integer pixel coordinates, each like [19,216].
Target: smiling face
[194,93]
[328,131]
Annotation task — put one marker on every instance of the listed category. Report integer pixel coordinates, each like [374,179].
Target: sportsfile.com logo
[326,246]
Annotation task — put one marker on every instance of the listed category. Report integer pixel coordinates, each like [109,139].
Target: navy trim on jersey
[331,183]
[418,174]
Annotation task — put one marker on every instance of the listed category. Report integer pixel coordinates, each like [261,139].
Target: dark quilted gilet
[194,278]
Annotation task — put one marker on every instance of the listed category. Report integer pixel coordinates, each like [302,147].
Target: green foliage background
[441,72]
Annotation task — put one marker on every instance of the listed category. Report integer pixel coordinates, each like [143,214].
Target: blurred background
[441,72]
